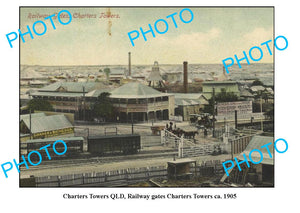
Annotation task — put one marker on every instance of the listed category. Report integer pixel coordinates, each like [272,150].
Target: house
[228,86]
[138,102]
[188,103]
[72,97]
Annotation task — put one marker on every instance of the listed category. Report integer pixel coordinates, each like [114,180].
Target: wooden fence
[239,145]
[197,150]
[123,177]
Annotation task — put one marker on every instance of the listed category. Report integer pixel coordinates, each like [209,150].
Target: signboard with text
[227,108]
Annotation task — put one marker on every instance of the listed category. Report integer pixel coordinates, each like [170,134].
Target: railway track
[90,160]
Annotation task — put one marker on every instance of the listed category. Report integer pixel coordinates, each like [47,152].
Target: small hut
[180,169]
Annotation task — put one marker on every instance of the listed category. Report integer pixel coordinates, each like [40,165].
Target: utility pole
[251,124]
[231,147]
[261,121]
[83,94]
[235,119]
[214,111]
[224,124]
[132,123]
[30,124]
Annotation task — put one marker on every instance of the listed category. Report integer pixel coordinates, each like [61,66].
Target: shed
[256,143]
[46,126]
[259,174]
[180,168]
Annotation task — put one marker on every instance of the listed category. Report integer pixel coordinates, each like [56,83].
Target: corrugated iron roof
[186,102]
[53,139]
[58,94]
[97,92]
[136,90]
[182,161]
[71,86]
[218,82]
[187,95]
[257,88]
[33,115]
[47,123]
[255,143]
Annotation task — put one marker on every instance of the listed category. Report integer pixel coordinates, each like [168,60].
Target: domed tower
[155,80]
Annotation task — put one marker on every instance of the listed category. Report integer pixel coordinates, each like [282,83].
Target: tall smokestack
[185,77]
[129,63]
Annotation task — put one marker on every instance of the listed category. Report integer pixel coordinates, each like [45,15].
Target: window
[142,101]
[131,101]
[150,100]
[165,98]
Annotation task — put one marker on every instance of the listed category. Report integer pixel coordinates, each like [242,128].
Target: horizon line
[133,64]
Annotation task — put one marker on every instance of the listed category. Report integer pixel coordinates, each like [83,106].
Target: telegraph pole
[132,123]
[235,119]
[30,124]
[261,121]
[83,91]
[213,99]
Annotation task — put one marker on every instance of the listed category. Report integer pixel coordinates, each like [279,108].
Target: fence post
[58,178]
[162,136]
[148,172]
[105,177]
[180,147]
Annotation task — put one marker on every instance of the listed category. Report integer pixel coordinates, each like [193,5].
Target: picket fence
[123,177]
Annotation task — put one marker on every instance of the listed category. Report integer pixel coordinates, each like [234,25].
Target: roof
[246,93]
[97,92]
[257,88]
[181,161]
[117,71]
[53,139]
[270,90]
[47,123]
[187,95]
[222,77]
[57,94]
[33,115]
[28,72]
[218,82]
[187,99]
[71,87]
[136,90]
[255,143]
[112,136]
[186,102]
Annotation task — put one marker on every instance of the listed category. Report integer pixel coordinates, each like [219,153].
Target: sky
[213,35]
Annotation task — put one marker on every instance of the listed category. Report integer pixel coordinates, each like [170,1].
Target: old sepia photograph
[146,96]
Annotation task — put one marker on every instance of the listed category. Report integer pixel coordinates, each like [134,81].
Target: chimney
[185,77]
[129,63]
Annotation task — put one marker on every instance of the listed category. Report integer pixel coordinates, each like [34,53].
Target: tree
[103,108]
[107,72]
[223,96]
[209,108]
[39,104]
[270,113]
[257,82]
